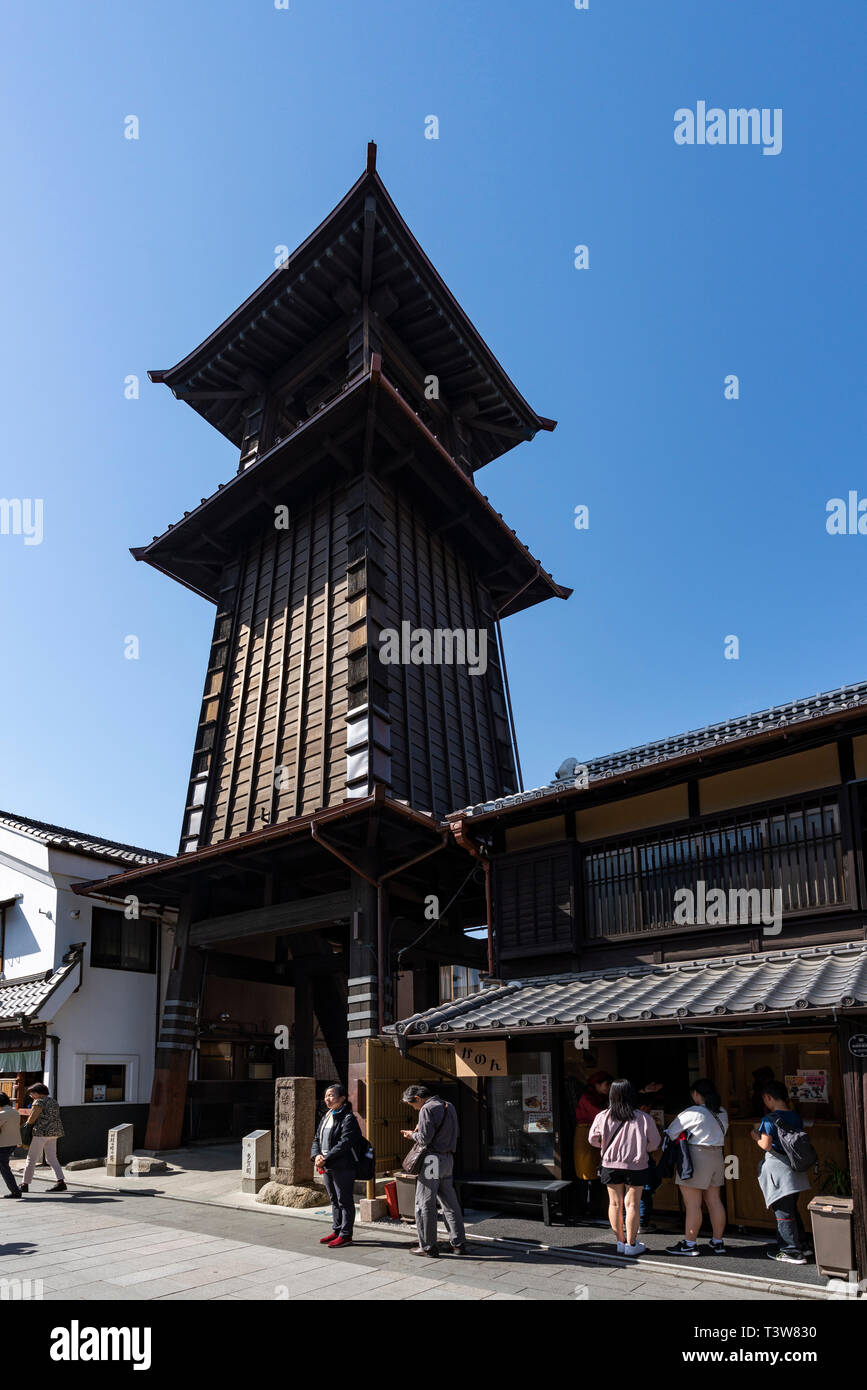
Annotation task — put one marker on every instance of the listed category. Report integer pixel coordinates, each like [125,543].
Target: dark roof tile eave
[676,750]
[77,842]
[662,995]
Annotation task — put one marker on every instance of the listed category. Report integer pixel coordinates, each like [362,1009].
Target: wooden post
[177,1040]
[304,1021]
[854,1072]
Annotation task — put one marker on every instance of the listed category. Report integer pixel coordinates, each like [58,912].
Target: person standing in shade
[593,1099]
[437,1133]
[705,1124]
[10,1138]
[335,1153]
[649,1099]
[778,1180]
[47,1127]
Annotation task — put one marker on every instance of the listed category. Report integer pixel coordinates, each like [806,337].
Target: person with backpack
[435,1140]
[10,1138]
[624,1135]
[787,1156]
[46,1127]
[337,1148]
[705,1124]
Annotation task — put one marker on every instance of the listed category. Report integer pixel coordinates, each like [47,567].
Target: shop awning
[20,1061]
[707,990]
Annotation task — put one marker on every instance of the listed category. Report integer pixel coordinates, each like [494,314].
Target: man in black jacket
[336,1150]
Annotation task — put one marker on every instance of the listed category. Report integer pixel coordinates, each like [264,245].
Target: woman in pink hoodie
[624,1135]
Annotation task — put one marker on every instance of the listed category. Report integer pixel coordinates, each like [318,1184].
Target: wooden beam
[282,918]
[224,966]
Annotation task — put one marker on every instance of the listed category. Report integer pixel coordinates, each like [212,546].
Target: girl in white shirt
[705,1124]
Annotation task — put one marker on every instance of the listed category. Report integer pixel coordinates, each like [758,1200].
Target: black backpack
[797,1147]
[365,1160]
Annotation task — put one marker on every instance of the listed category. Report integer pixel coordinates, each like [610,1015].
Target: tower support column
[177,1039]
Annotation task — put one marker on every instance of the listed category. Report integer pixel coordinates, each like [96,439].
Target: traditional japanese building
[696,906]
[356,689]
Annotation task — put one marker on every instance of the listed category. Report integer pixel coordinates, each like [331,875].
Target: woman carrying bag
[705,1124]
[47,1127]
[624,1134]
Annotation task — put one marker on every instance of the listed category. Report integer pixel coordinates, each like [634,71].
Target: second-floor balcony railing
[795,850]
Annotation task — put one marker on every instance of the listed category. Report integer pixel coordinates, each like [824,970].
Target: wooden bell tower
[362,402]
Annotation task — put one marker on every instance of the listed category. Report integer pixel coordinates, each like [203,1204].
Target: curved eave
[209,383]
[228,511]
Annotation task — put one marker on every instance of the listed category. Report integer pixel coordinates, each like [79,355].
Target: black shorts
[613,1177]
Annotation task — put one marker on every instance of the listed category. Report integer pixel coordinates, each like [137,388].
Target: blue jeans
[789,1227]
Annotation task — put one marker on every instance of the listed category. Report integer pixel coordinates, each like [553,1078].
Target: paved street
[103,1245]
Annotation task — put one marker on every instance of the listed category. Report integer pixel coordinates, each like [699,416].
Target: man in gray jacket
[436,1132]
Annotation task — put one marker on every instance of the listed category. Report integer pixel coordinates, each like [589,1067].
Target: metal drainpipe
[469,845]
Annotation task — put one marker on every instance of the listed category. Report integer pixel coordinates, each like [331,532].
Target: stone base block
[374,1209]
[279,1194]
[142,1164]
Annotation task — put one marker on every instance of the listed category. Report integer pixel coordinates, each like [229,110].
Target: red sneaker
[341,1240]
[326,1240]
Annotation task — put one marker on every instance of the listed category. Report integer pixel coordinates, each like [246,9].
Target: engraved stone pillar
[294,1128]
[119,1150]
[255,1160]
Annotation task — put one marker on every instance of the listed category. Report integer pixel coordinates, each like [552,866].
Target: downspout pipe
[472,848]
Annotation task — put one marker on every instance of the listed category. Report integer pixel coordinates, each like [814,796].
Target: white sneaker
[637,1249]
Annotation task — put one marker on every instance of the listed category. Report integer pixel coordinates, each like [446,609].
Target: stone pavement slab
[133,1247]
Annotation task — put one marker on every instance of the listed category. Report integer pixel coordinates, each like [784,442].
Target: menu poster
[536,1104]
[99,1093]
[808,1086]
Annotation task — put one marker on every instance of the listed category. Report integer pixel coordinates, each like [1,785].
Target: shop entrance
[675,1064]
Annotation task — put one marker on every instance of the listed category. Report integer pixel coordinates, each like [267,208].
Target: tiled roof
[25,996]
[775,981]
[796,712]
[78,843]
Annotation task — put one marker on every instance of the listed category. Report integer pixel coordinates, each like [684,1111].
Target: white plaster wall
[30,935]
[112,1016]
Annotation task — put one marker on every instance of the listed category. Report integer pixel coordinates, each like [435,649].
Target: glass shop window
[520,1114]
[457,981]
[104,1081]
[807,1066]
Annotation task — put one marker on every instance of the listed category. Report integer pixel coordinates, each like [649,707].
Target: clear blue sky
[707,516]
